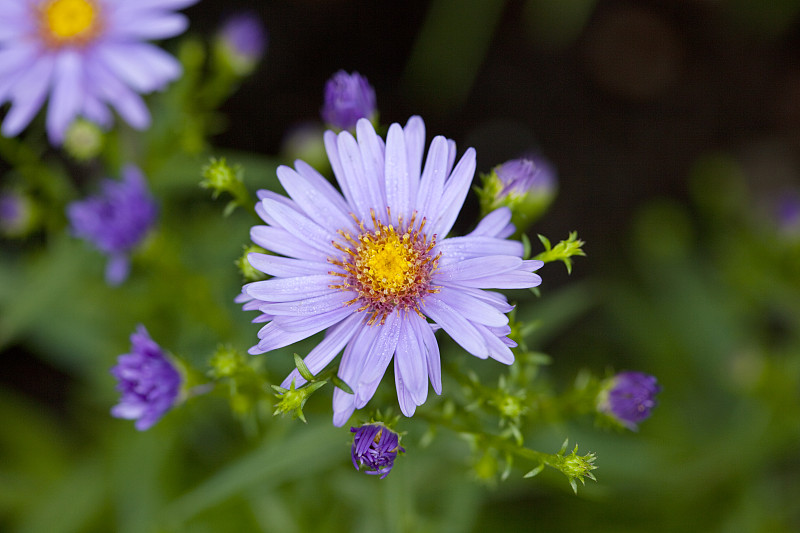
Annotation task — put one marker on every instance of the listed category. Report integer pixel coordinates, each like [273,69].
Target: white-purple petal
[286,267]
[66,97]
[314,201]
[459,328]
[396,173]
[381,352]
[455,192]
[456,249]
[300,226]
[414,131]
[509,280]
[476,268]
[433,177]
[324,352]
[424,333]
[410,364]
[28,95]
[311,306]
[282,242]
[290,289]
[471,308]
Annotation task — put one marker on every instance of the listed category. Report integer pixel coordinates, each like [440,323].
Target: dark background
[622,103]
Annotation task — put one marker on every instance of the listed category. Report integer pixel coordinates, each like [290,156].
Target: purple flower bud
[526,176]
[116,220]
[148,381]
[526,186]
[348,97]
[629,397]
[243,40]
[375,447]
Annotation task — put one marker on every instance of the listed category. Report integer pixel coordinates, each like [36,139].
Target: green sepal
[338,382]
[302,368]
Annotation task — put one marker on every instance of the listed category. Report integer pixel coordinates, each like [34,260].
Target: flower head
[242,41]
[375,448]
[787,214]
[525,185]
[17,214]
[373,265]
[85,55]
[148,380]
[116,220]
[629,397]
[348,98]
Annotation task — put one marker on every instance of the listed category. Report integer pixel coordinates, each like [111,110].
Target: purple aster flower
[373,264]
[86,55]
[348,98]
[148,380]
[375,448]
[243,39]
[629,397]
[116,220]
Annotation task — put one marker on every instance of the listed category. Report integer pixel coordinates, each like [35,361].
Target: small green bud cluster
[575,467]
[221,177]
[245,379]
[563,251]
[292,400]
[83,140]
[248,272]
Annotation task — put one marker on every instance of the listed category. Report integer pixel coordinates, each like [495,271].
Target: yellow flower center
[386,267]
[388,262]
[69,20]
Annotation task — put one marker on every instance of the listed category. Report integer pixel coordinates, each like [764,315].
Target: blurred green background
[675,128]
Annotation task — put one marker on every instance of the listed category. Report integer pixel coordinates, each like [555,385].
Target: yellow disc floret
[69,21]
[386,267]
[387,262]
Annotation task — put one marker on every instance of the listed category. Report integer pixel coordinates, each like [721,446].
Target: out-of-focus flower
[375,448]
[148,380]
[85,55]
[83,140]
[348,98]
[17,214]
[374,265]
[116,220]
[527,186]
[629,397]
[241,41]
[787,213]
[304,141]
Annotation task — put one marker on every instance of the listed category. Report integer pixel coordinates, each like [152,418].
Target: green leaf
[535,471]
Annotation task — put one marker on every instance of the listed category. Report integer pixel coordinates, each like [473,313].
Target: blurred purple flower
[148,380]
[375,448]
[243,40]
[116,220]
[372,264]
[630,397]
[787,212]
[15,214]
[86,55]
[348,97]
